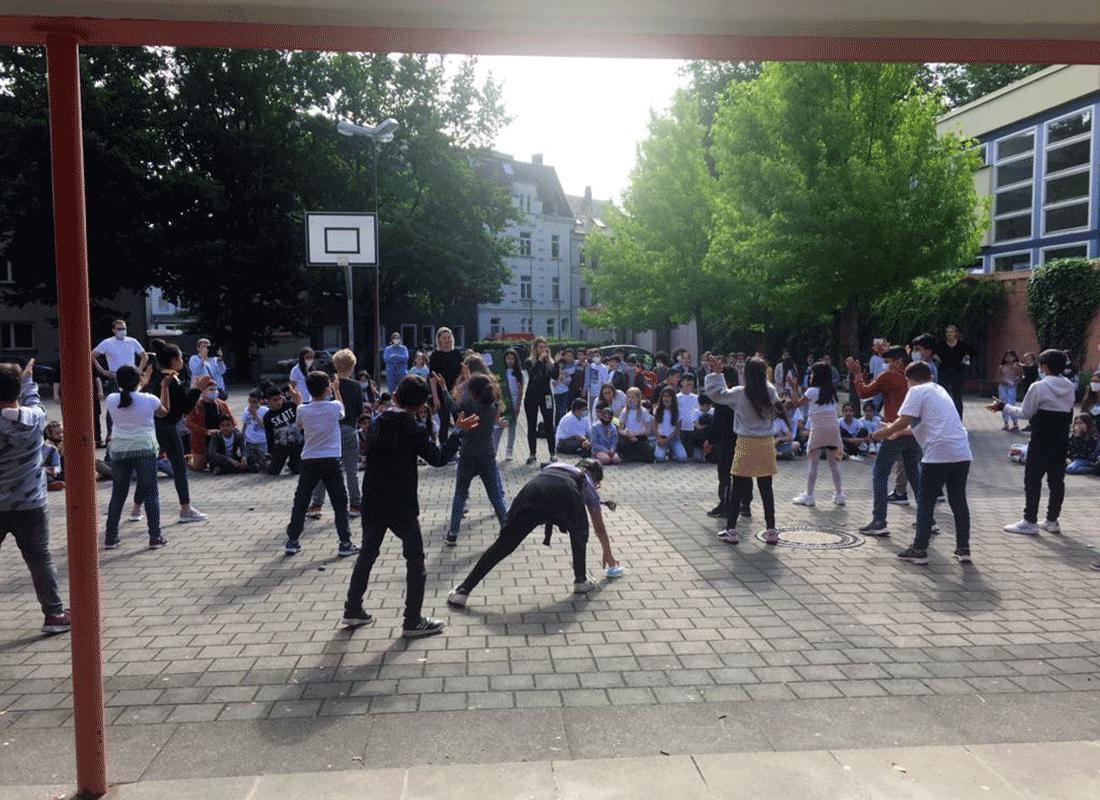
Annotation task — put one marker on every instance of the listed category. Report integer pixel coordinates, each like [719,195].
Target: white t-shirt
[665,426]
[571,425]
[631,423]
[133,430]
[120,352]
[253,430]
[936,424]
[689,409]
[819,414]
[321,422]
[780,428]
[851,428]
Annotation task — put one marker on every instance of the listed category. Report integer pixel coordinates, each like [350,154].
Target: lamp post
[382,132]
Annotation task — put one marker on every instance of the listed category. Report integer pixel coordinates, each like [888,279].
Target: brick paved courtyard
[221,635]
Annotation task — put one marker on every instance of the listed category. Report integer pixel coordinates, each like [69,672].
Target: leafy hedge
[1062,297]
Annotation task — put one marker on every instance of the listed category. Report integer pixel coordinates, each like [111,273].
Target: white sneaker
[457,599]
[804,499]
[136,516]
[1051,526]
[839,499]
[1023,527]
[584,587]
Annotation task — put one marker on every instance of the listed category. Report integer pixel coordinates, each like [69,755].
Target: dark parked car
[322,360]
[628,349]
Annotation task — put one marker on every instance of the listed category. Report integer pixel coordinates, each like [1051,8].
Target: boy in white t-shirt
[930,413]
[320,461]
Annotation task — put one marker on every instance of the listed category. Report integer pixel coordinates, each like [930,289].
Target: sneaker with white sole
[291,547]
[729,536]
[1050,526]
[458,597]
[427,626]
[839,499]
[771,536]
[804,499]
[138,517]
[348,548]
[157,542]
[963,555]
[451,539]
[314,512]
[192,515]
[1023,527]
[914,556]
[353,619]
[898,498]
[584,587]
[875,528]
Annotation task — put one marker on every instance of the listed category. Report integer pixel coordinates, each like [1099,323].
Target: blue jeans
[674,451]
[31,529]
[934,477]
[888,452]
[474,462]
[122,468]
[1006,393]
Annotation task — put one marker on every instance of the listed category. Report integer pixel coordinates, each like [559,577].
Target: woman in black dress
[540,371]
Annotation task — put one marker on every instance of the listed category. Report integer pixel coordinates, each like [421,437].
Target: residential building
[1041,148]
[540,299]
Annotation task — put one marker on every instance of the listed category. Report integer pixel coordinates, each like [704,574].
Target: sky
[584,115]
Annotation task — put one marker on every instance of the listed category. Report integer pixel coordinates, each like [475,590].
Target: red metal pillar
[71,248]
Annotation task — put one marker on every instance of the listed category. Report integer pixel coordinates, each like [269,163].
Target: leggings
[742,493]
[532,408]
[834,467]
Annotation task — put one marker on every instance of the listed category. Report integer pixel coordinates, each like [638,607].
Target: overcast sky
[583,114]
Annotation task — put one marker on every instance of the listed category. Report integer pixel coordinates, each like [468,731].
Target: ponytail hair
[128,379]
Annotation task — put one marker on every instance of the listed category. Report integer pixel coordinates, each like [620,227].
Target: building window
[525,323]
[564,325]
[1014,179]
[1012,262]
[525,287]
[555,246]
[494,327]
[582,300]
[555,288]
[459,332]
[1067,174]
[1070,251]
[6,274]
[525,243]
[427,334]
[549,327]
[17,335]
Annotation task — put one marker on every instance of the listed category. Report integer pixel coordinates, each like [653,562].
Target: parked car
[628,349]
[322,360]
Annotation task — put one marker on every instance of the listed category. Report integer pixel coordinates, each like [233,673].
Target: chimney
[536,158]
[588,194]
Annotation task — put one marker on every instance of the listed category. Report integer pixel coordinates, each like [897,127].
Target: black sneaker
[157,542]
[898,497]
[451,539]
[718,511]
[963,555]
[110,544]
[426,627]
[874,528]
[531,460]
[914,556]
[348,548]
[353,619]
[291,547]
[746,513]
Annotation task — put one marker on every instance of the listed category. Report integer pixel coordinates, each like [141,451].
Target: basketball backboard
[339,238]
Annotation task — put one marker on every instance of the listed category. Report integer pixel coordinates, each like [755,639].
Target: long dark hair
[127,378]
[517,365]
[674,409]
[756,387]
[821,377]
[302,359]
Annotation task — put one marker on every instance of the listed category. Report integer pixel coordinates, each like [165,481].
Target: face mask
[120,334]
[212,395]
[309,363]
[631,404]
[365,385]
[1095,386]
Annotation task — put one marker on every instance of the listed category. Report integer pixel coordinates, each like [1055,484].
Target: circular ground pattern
[815,537]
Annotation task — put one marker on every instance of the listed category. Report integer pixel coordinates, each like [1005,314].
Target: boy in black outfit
[225,452]
[284,437]
[392,446]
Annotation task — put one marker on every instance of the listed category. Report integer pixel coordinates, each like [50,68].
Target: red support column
[71,248]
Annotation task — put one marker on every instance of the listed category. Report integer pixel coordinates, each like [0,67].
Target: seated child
[1083,455]
[871,421]
[605,437]
[225,451]
[255,437]
[786,448]
[853,433]
[574,430]
[284,437]
[51,462]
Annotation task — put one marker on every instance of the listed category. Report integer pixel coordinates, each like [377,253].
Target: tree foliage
[933,302]
[835,187]
[962,83]
[1062,297]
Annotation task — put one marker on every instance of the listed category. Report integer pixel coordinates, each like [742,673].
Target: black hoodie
[390,481]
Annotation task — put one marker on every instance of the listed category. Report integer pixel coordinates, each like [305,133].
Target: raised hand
[467,422]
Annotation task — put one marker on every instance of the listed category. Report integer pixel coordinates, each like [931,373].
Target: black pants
[280,454]
[638,449]
[412,548]
[933,478]
[531,407]
[1046,454]
[741,489]
[169,440]
[953,383]
[315,470]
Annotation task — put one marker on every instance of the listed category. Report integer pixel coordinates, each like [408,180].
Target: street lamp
[382,132]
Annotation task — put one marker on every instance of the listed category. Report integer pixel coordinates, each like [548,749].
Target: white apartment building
[540,299]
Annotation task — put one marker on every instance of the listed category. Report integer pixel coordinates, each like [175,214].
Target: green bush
[1062,297]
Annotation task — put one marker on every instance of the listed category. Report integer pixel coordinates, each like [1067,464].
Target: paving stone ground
[220,637]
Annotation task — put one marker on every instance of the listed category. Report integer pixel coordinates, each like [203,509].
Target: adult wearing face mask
[118,350]
[203,420]
[203,363]
[396,358]
[299,371]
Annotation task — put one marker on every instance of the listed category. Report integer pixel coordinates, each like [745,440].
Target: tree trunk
[853,328]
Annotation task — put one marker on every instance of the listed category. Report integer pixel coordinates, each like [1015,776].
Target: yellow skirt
[754,457]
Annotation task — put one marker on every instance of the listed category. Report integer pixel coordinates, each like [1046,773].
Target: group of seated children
[792,430]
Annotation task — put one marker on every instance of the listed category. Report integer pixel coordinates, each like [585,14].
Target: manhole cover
[815,537]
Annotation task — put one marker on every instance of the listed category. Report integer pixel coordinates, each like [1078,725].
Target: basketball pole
[345,262]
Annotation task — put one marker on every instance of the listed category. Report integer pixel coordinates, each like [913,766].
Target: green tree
[833,188]
[1062,297]
[649,273]
[962,83]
